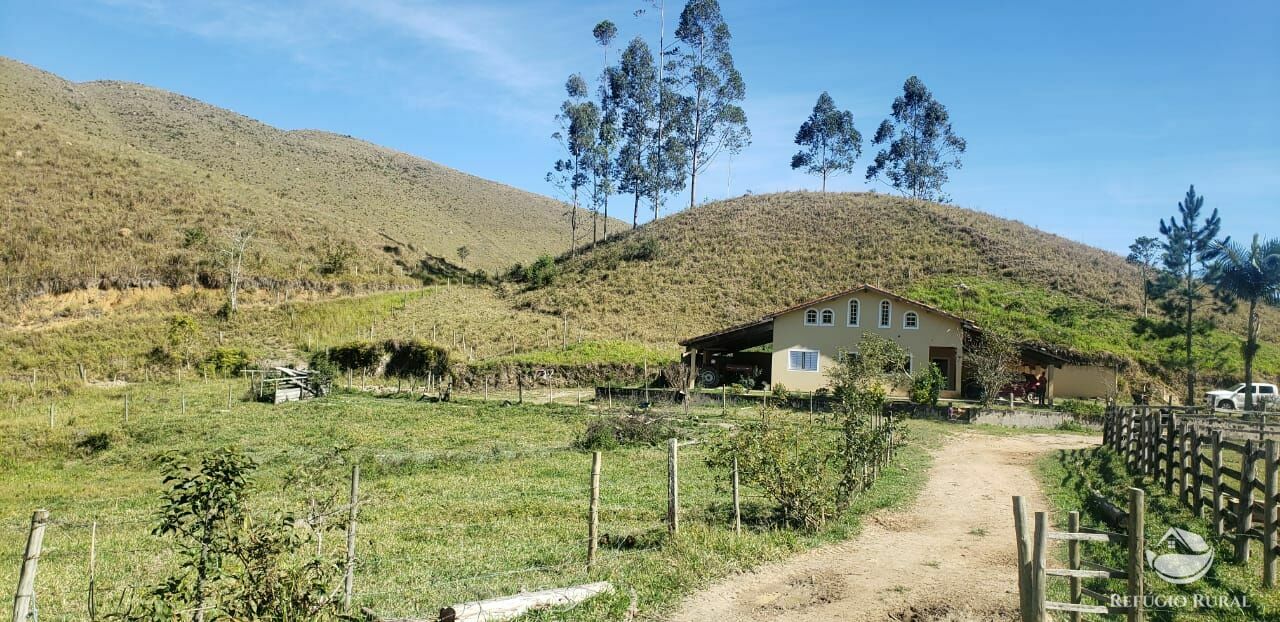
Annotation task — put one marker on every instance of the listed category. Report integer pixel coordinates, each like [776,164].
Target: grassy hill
[732,261]
[123,182]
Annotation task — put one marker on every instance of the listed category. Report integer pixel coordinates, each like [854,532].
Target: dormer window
[886,314]
[911,320]
[854,311]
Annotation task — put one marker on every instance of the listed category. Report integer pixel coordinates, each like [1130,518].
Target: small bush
[540,273]
[357,356]
[780,392]
[1081,407]
[224,362]
[644,250]
[746,383]
[926,386]
[415,359]
[633,428]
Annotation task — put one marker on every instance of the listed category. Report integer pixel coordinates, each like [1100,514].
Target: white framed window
[886,314]
[827,318]
[855,310]
[811,317]
[911,320]
[802,360]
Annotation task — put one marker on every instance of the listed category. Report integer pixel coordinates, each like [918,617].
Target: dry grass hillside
[732,261]
[114,180]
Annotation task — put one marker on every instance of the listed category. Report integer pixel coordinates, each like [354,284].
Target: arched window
[811,317]
[828,317]
[854,309]
[886,314]
[910,320]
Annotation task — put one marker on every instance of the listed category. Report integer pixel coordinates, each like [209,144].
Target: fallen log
[1113,515]
[510,607]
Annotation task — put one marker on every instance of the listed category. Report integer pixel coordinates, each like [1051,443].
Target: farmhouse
[796,346]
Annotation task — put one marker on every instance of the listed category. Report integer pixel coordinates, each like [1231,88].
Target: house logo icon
[1182,558]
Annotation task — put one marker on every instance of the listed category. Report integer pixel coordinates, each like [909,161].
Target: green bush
[644,250]
[224,362]
[540,273]
[1081,407]
[780,392]
[415,359]
[926,386]
[357,356]
[797,467]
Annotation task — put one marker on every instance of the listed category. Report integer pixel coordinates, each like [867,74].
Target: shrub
[356,356]
[415,359]
[644,250]
[94,443]
[224,362]
[633,428]
[926,386]
[746,382]
[1081,407]
[797,467]
[540,273]
[780,392]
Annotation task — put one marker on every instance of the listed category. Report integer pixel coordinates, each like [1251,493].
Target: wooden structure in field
[284,384]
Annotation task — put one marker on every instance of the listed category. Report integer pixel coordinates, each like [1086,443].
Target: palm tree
[1252,275]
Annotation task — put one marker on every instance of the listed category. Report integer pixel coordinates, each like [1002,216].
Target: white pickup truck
[1264,396]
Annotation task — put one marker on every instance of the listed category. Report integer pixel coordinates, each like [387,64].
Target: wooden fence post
[1269,517]
[673,486]
[1182,461]
[25,595]
[93,571]
[1244,505]
[1197,475]
[1073,561]
[1038,566]
[593,516]
[737,504]
[1170,432]
[349,578]
[1023,540]
[1219,523]
[1137,551]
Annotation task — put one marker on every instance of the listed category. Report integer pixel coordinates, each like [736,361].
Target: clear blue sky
[1088,119]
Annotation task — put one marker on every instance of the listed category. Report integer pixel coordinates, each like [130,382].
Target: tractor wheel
[709,378]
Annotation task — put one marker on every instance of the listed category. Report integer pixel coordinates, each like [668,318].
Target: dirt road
[950,557]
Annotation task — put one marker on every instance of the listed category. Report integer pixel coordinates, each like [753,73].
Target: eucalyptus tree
[711,87]
[579,120]
[919,145]
[831,143]
[607,139]
[666,159]
[1251,275]
[1143,253]
[637,104]
[1189,250]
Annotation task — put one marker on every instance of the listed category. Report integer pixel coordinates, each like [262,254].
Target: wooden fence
[1033,568]
[1224,467]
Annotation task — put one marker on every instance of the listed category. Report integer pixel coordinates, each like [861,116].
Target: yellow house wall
[1084,381]
[790,332]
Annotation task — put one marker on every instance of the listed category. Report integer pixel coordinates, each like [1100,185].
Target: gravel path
[951,557]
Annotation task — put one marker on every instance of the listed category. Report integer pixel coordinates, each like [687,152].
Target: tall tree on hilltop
[920,148]
[712,87]
[637,104]
[607,140]
[1189,249]
[1253,276]
[1143,253]
[666,159]
[832,144]
[579,121]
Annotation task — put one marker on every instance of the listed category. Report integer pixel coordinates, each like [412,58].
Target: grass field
[463,500]
[1069,476]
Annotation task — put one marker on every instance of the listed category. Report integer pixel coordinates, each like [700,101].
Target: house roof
[750,331]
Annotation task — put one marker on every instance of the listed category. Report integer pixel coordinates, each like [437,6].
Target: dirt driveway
[950,557]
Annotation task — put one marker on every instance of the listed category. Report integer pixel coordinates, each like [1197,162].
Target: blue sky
[1086,119]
